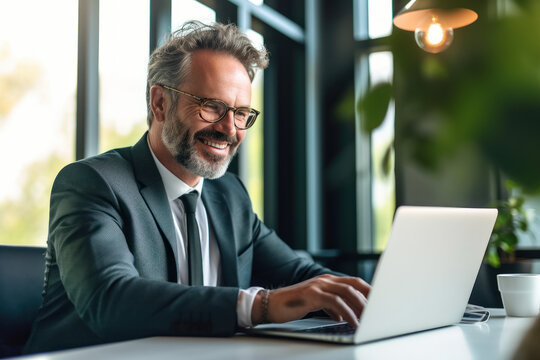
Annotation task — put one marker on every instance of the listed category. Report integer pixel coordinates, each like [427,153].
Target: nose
[226,125]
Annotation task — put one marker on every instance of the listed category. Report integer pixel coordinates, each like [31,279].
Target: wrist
[244,306]
[264,302]
[259,311]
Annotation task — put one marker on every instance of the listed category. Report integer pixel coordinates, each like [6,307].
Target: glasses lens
[212,110]
[244,117]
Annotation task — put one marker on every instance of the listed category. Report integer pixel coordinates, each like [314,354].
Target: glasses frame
[202,101]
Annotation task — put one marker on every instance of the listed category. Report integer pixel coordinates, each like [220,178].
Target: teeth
[219,146]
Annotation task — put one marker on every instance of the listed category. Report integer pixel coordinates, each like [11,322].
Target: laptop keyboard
[340,329]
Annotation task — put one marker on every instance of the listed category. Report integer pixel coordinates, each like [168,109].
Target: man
[121,259]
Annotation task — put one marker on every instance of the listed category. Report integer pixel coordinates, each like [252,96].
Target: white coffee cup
[520,294]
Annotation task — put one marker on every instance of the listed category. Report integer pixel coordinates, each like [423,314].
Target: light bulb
[432,36]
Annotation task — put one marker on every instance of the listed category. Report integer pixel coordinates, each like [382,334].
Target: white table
[496,339]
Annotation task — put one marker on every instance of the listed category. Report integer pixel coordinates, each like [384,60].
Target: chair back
[21,283]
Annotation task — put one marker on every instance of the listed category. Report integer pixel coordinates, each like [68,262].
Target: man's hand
[343,298]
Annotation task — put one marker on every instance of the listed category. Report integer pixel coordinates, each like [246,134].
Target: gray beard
[181,143]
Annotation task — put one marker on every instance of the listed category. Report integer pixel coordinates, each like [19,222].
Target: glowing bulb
[433,37]
[435,34]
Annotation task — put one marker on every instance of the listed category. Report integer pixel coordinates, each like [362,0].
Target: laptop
[423,279]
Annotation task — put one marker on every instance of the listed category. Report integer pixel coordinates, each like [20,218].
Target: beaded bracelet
[264,302]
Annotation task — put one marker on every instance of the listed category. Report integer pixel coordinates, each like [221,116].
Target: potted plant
[512,222]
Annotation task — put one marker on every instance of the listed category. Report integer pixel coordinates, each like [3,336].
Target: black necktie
[193,239]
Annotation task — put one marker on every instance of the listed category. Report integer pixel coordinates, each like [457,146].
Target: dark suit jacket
[111,271]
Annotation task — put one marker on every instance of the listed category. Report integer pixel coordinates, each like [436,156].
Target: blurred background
[356,118]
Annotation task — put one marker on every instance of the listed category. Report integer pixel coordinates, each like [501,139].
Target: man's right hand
[343,298]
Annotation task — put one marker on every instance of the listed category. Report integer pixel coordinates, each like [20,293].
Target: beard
[180,141]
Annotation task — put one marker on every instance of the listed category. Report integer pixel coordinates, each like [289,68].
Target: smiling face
[203,149]
[206,152]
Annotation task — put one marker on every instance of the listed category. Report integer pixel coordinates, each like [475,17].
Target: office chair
[21,283]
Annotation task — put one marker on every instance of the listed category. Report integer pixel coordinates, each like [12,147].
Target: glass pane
[382,157]
[531,239]
[380,18]
[185,10]
[123,58]
[254,141]
[38,75]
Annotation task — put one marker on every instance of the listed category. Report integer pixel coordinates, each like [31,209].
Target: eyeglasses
[213,110]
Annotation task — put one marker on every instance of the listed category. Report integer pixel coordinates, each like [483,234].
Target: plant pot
[485,291]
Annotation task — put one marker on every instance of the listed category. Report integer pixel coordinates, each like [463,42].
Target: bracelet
[264,302]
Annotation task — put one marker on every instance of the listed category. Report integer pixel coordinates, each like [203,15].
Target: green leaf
[492,257]
[374,105]
[387,160]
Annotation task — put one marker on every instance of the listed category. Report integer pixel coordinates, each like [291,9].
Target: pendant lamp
[433,22]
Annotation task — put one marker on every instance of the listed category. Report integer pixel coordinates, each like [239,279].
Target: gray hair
[169,64]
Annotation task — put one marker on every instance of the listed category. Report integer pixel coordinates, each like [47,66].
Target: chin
[207,167]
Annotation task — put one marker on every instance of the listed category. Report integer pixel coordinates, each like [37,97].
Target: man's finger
[358,283]
[333,315]
[354,299]
[339,307]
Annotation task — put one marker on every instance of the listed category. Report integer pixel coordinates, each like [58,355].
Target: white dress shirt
[211,257]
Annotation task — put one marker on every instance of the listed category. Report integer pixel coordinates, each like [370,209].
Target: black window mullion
[160,22]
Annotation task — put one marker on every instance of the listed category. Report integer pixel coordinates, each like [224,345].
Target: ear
[159,102]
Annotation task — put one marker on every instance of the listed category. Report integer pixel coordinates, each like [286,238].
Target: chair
[21,283]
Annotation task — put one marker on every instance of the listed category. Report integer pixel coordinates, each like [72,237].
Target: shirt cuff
[245,304]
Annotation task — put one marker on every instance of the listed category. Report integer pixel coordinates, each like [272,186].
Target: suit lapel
[153,190]
[220,220]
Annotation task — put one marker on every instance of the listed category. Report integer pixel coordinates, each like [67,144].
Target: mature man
[157,239]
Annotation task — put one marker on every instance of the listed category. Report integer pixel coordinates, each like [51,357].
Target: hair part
[170,63]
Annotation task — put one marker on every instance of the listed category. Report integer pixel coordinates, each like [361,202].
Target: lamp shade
[416,11]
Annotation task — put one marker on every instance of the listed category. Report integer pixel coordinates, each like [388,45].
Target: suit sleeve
[275,264]
[97,270]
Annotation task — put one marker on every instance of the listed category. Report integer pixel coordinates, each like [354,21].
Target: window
[375,156]
[253,171]
[123,59]
[382,154]
[29,75]
[38,74]
[532,239]
[380,18]
[185,10]
[38,80]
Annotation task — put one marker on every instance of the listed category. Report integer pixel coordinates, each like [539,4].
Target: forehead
[218,75]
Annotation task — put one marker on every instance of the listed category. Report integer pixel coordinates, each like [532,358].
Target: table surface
[495,339]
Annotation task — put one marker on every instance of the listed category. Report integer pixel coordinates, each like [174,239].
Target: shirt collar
[174,187]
